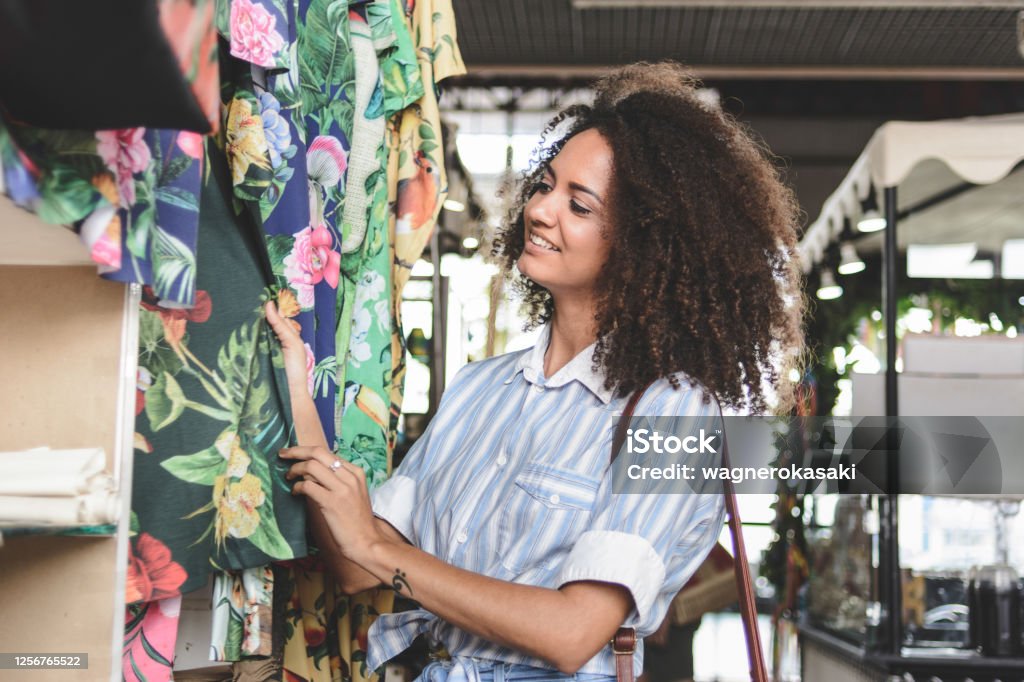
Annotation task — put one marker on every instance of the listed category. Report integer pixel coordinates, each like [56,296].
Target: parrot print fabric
[327,631]
[417,183]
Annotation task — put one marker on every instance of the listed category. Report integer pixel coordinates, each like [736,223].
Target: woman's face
[565,219]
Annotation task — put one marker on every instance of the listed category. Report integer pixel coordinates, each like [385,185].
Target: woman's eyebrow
[574,185]
[582,188]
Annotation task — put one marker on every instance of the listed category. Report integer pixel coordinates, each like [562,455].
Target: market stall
[925,205]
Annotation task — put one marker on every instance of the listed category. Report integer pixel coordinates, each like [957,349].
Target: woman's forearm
[351,576]
[308,430]
[564,627]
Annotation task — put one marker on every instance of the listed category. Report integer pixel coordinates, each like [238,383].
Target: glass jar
[993,596]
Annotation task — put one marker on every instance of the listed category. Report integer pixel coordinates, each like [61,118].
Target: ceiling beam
[799,4]
[589,72]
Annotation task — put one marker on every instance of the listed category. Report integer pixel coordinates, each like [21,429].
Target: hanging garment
[416,173]
[151,630]
[131,195]
[243,614]
[288,139]
[415,157]
[368,366]
[330,620]
[209,484]
[74,60]
[327,631]
[366,268]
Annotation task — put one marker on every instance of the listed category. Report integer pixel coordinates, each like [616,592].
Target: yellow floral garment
[415,162]
[327,632]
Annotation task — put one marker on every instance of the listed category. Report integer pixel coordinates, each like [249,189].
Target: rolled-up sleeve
[653,561]
[394,501]
[398,498]
[650,543]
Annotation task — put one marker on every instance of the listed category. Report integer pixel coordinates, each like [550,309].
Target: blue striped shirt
[512,480]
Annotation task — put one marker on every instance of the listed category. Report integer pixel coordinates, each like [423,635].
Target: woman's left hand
[340,493]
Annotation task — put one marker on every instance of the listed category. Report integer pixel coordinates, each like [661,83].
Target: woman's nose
[541,210]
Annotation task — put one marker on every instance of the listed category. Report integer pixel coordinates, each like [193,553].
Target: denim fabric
[465,669]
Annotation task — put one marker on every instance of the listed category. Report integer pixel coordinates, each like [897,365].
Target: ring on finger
[335,465]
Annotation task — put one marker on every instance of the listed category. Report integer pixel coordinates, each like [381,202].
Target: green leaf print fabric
[208,482]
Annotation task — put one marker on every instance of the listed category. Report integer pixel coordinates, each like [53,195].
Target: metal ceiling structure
[744,38]
[813,77]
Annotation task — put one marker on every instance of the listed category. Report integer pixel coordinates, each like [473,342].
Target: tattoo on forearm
[399,582]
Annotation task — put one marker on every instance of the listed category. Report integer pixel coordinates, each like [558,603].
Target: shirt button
[502,460]
[538,388]
[555,498]
[462,537]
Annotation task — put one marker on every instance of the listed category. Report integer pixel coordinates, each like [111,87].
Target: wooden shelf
[70,343]
[27,240]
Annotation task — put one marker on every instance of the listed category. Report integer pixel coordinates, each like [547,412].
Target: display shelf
[939,539]
[914,662]
[107,530]
[70,344]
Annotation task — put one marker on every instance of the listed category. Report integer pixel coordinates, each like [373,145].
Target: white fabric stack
[44,487]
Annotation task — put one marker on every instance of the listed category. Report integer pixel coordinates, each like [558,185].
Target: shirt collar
[531,364]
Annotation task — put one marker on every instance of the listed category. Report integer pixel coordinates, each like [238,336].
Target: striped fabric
[512,480]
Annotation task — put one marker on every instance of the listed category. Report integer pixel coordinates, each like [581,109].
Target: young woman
[654,241]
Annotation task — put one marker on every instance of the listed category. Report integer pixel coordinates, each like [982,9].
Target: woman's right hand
[296,360]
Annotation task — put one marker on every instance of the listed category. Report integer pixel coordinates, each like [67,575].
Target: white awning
[978,150]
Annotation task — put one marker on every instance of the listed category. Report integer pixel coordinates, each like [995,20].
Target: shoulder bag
[624,642]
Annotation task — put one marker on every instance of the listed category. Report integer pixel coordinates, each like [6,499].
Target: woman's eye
[577,208]
[542,187]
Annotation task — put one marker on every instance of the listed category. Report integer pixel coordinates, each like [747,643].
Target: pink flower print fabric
[131,194]
[311,261]
[151,632]
[125,153]
[254,35]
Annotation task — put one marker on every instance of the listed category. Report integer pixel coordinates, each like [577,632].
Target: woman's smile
[541,243]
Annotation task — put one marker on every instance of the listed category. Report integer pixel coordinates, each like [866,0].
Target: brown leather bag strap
[624,645]
[624,642]
[744,583]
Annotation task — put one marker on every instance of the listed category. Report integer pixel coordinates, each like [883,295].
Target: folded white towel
[42,471]
[93,509]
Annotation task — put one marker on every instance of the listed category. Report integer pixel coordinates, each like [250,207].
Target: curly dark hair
[702,275]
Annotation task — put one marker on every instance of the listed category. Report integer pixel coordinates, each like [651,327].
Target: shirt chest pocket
[548,508]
